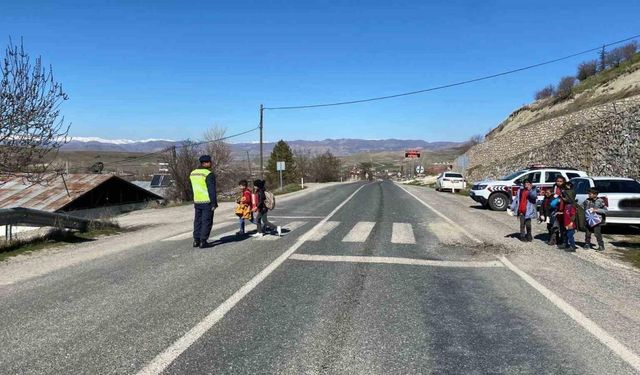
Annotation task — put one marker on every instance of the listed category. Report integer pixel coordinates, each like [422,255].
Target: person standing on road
[547,215]
[558,189]
[524,205]
[203,183]
[262,222]
[594,205]
[244,208]
[569,222]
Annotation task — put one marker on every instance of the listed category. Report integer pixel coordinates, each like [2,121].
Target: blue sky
[169,69]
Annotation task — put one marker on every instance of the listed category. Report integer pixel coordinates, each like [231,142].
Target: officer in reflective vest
[203,183]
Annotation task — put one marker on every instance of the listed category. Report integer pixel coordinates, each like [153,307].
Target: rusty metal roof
[51,197]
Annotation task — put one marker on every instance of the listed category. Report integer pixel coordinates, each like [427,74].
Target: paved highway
[366,279]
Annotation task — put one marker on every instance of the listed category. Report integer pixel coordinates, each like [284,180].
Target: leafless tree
[614,57]
[303,160]
[629,50]
[181,160]
[546,92]
[565,87]
[31,128]
[221,159]
[326,167]
[587,69]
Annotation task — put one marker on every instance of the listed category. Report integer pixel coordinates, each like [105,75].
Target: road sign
[419,169]
[280,166]
[412,154]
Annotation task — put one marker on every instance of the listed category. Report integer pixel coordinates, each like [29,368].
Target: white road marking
[460,228]
[296,217]
[359,232]
[324,230]
[164,359]
[603,336]
[402,233]
[288,227]
[189,234]
[394,260]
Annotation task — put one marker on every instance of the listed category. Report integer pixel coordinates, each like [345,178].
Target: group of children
[251,202]
[562,214]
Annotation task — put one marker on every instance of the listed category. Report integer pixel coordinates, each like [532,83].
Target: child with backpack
[595,211]
[244,205]
[265,201]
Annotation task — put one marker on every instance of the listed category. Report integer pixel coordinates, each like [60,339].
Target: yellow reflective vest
[199,185]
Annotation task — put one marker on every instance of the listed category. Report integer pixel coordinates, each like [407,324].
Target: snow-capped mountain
[339,147]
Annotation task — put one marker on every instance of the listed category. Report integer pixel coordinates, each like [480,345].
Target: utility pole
[261,155]
[249,164]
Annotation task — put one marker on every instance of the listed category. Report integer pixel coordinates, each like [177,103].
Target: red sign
[412,154]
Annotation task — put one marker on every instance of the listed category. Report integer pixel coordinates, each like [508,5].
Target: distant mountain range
[339,147]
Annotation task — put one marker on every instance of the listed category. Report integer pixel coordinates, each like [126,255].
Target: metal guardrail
[26,216]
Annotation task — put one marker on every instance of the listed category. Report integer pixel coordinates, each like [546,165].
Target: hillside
[614,84]
[596,130]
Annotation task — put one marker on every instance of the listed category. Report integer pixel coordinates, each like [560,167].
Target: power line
[134,158]
[455,83]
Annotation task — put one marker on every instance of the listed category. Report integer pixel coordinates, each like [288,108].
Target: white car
[497,194]
[450,181]
[621,195]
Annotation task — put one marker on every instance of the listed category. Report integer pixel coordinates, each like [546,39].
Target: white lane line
[324,230]
[394,260]
[189,234]
[603,336]
[164,359]
[288,227]
[460,228]
[402,233]
[296,217]
[359,232]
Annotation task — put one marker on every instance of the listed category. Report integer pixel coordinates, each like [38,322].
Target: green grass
[55,239]
[601,78]
[287,189]
[632,256]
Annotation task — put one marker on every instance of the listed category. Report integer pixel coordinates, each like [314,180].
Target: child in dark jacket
[547,215]
[595,205]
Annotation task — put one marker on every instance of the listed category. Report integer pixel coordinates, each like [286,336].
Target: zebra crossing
[401,233]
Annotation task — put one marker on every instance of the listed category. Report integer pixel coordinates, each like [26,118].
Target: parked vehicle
[497,194]
[450,181]
[621,195]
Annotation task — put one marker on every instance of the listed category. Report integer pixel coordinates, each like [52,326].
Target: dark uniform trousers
[203,221]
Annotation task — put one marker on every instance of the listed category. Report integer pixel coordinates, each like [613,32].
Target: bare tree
[629,50]
[614,57]
[587,69]
[181,161]
[565,87]
[31,129]
[546,92]
[325,167]
[221,158]
[303,160]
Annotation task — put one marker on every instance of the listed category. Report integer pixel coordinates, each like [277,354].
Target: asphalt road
[382,285]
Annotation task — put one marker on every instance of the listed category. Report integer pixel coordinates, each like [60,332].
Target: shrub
[565,87]
[546,92]
[587,69]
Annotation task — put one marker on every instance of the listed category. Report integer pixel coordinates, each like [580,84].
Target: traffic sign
[280,166]
[419,169]
[412,154]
